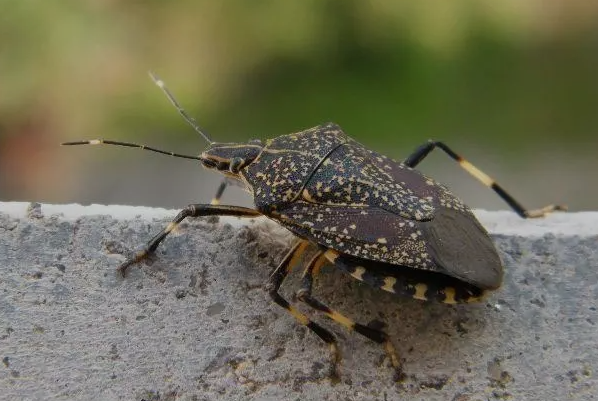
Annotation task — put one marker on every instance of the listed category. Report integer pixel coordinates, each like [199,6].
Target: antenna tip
[156,79]
[91,142]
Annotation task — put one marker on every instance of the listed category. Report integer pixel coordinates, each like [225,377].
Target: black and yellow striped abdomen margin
[405,281]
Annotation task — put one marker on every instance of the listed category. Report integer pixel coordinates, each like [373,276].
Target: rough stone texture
[196,324]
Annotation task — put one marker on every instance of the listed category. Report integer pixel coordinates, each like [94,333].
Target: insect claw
[335,376]
[139,256]
[542,212]
[122,269]
[399,376]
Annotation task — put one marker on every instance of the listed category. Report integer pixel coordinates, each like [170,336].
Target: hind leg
[416,157]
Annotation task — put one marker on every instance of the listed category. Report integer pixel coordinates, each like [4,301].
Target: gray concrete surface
[195,324]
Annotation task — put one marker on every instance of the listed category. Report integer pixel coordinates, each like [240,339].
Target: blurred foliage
[514,76]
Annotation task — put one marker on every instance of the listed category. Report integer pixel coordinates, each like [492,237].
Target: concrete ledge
[196,325]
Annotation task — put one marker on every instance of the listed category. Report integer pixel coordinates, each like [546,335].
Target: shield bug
[378,220]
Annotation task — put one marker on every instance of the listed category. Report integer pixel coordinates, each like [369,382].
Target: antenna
[190,120]
[130,145]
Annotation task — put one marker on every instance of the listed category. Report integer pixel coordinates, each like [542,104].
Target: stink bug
[378,220]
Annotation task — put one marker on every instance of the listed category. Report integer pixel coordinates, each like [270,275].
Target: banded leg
[272,287]
[304,294]
[223,184]
[416,157]
[196,210]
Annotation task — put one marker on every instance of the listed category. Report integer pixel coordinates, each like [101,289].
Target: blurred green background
[511,85]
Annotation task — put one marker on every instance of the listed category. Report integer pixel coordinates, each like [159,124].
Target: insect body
[380,221]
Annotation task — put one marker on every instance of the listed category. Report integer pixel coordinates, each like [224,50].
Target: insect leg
[304,295]
[416,157]
[219,192]
[196,210]
[272,287]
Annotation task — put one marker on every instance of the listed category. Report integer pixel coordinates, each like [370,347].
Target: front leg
[196,210]
[221,188]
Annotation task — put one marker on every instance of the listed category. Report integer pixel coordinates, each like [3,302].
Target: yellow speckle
[301,318]
[479,175]
[449,294]
[215,201]
[390,350]
[171,226]
[345,321]
[336,355]
[331,255]
[420,291]
[95,142]
[382,240]
[389,283]
[307,196]
[358,273]
[298,253]
[353,226]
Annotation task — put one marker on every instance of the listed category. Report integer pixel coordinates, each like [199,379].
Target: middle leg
[304,294]
[275,281]
[220,191]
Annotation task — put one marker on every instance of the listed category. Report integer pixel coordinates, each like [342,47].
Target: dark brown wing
[459,244]
[453,243]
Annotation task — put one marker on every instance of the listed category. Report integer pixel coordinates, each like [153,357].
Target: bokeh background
[512,85]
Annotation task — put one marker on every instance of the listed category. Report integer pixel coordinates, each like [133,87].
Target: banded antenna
[190,120]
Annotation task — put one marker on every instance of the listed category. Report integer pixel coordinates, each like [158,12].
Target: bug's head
[230,158]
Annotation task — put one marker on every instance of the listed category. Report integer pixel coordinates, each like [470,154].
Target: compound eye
[236,164]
